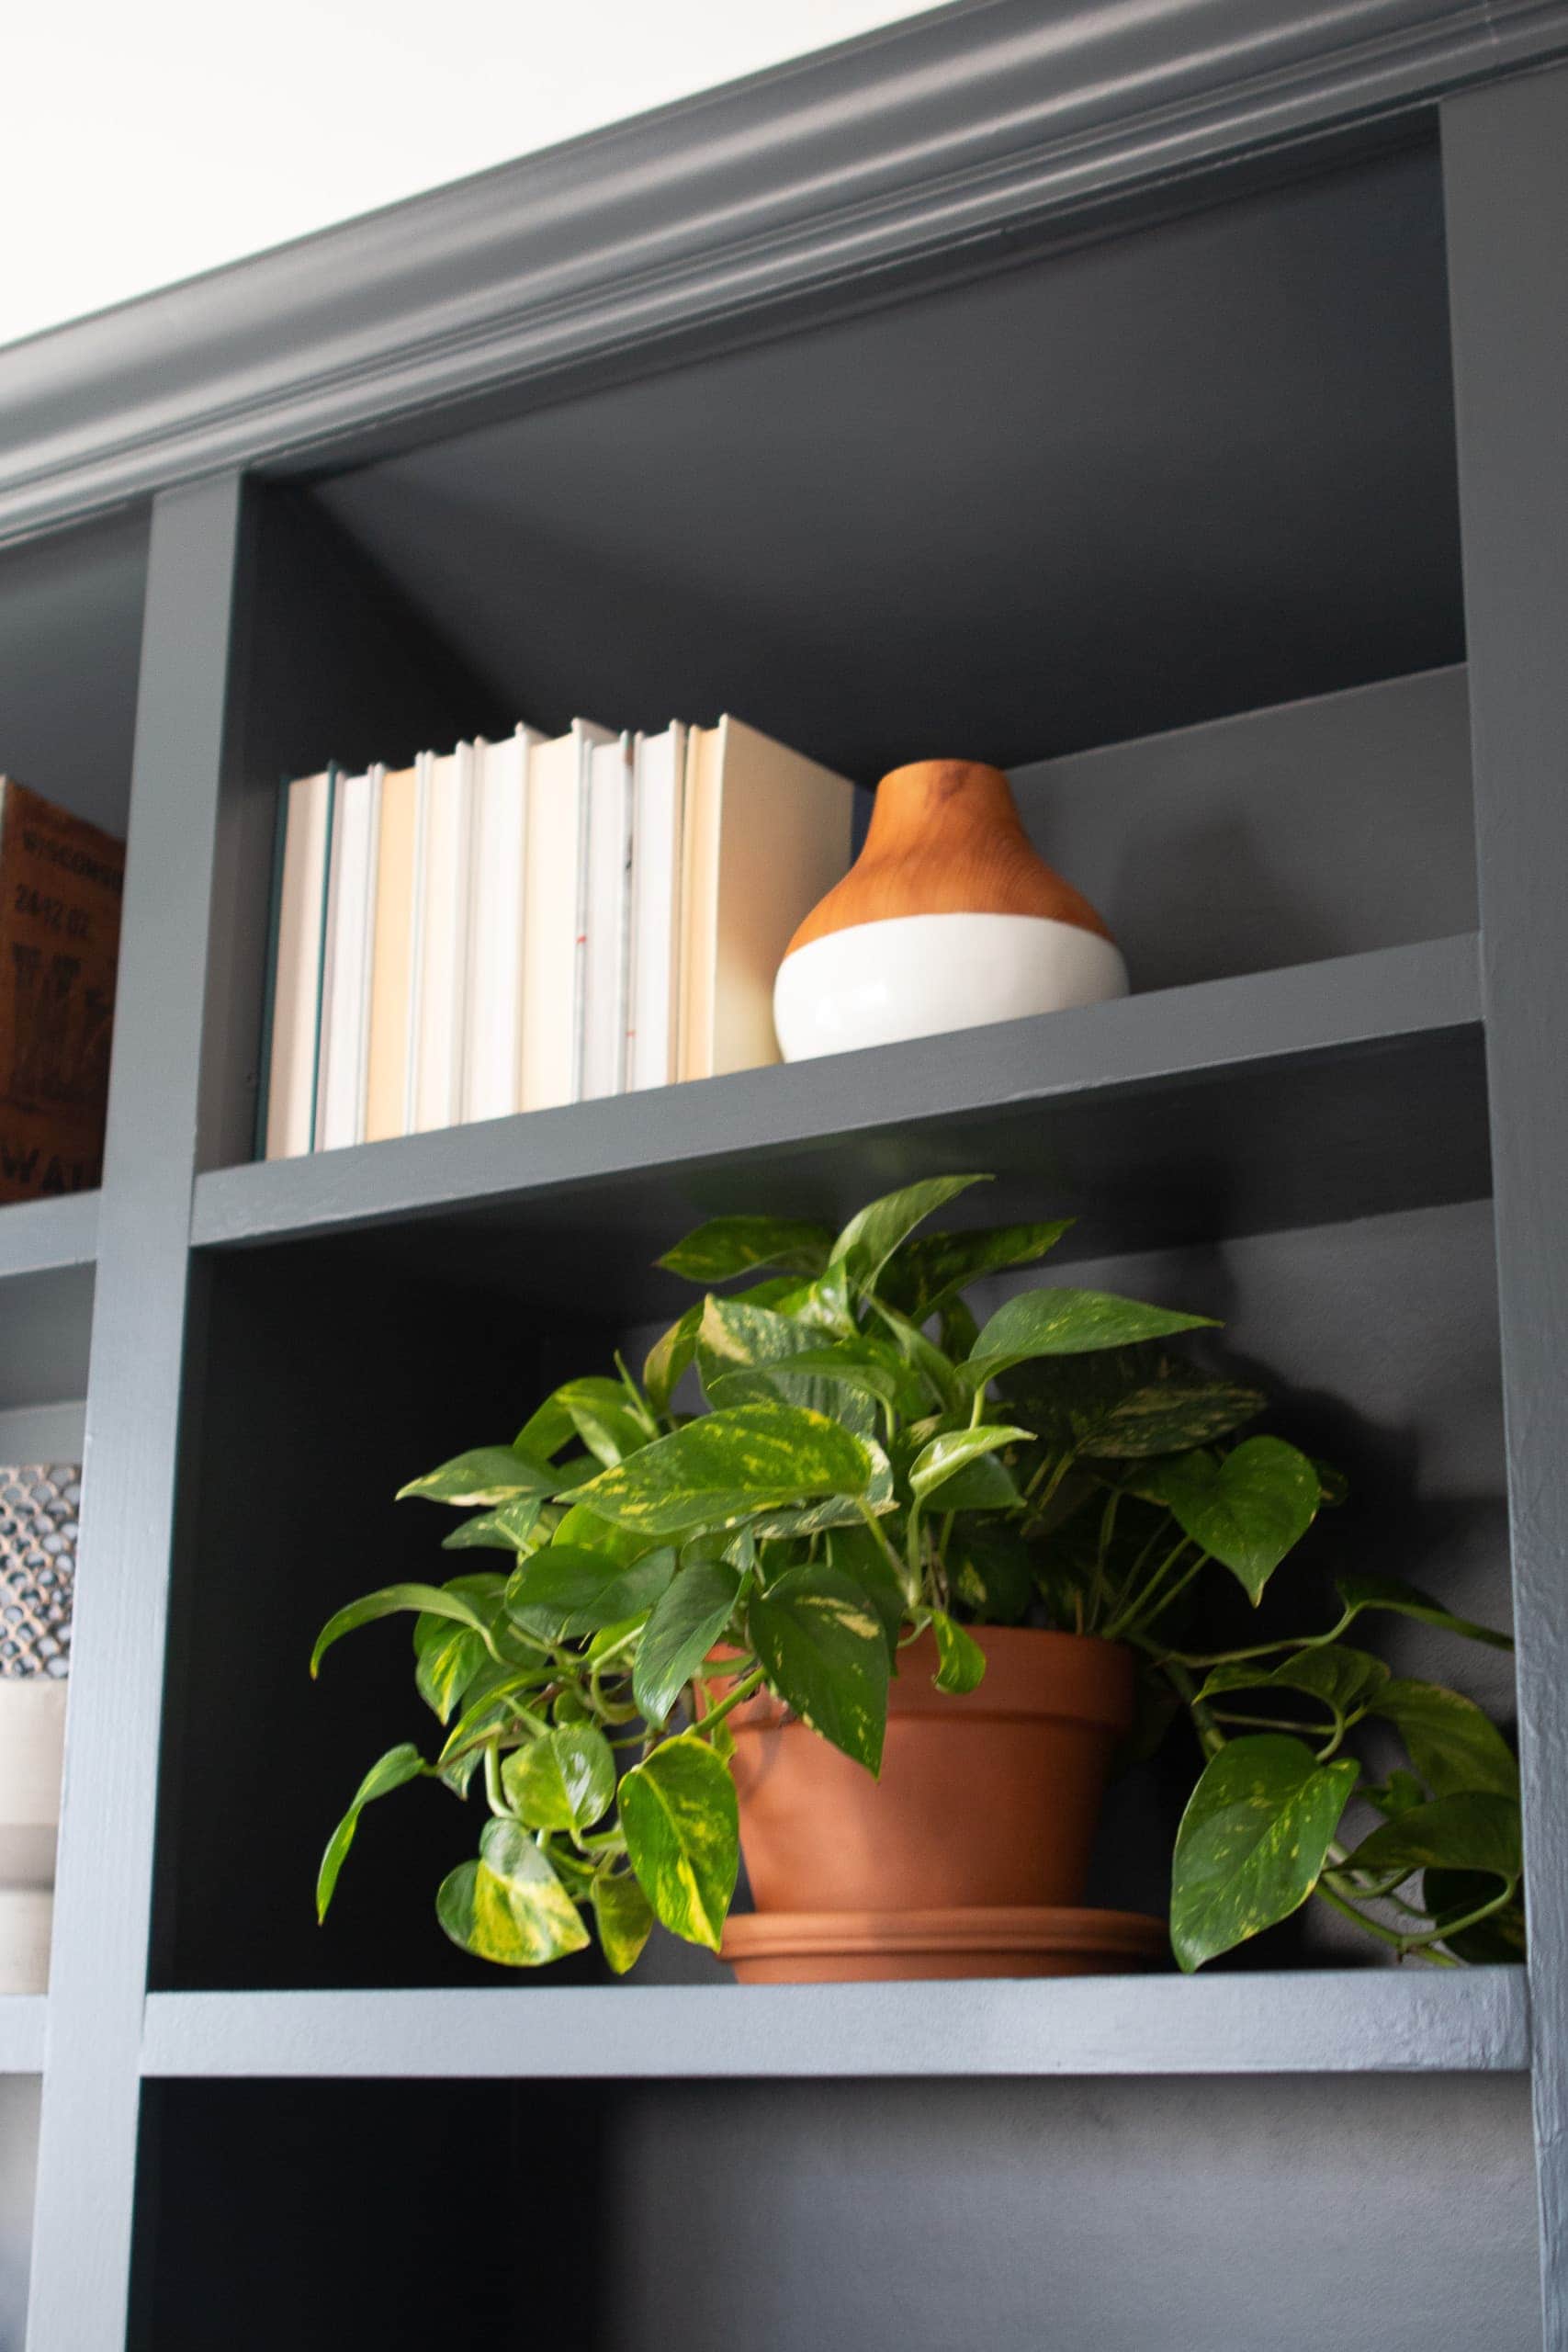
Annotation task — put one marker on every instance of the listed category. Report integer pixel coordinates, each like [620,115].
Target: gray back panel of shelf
[1506,158]
[1276,837]
[70,642]
[1137,484]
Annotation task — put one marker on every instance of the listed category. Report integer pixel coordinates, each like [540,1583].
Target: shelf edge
[1348,2021]
[48,1237]
[1300,1013]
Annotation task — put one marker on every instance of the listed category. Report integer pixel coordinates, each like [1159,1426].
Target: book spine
[322,953]
[269,988]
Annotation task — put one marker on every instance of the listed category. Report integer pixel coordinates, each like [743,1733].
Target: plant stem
[894,1561]
[1403,1945]
[1130,1613]
[494,1791]
[741,1692]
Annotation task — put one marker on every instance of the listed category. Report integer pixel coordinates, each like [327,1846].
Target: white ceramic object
[912,976]
[32,1750]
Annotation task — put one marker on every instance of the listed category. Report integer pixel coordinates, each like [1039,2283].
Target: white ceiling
[144,144]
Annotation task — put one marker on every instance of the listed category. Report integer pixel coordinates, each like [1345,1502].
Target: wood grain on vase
[945,837]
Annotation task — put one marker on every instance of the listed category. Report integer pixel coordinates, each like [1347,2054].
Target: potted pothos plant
[874,1591]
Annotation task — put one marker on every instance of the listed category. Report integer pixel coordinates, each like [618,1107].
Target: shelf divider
[24,2019]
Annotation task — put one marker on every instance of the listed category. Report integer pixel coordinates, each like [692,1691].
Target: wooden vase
[949,917]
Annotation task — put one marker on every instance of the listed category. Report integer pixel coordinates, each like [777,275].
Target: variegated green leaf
[1253,1842]
[625,1915]
[513,1528]
[728,1246]
[927,1273]
[871,1237]
[564,1780]
[1453,1744]
[603,1416]
[728,1464]
[388,1603]
[1473,1829]
[1066,1323]
[955,1449]
[668,1357]
[565,1591]
[1343,1678]
[446,1658]
[490,1474]
[1247,1509]
[1127,1404]
[510,1906]
[820,1639]
[838,1511]
[747,1354]
[687,1620]
[961,1662]
[679,1813]
[399,1766]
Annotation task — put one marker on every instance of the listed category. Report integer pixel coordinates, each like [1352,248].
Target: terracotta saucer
[858,1946]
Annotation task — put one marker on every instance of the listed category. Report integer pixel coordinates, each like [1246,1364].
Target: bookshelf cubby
[1110,415]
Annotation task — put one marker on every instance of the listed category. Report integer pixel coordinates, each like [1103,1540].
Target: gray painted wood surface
[88,2144]
[1506,160]
[926,148]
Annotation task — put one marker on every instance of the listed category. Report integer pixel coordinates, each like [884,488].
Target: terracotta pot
[987,1799]
[860,1947]
[949,917]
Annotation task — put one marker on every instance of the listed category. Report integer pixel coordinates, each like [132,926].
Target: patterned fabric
[38,1506]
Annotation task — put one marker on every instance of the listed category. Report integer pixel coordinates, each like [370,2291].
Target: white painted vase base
[915,976]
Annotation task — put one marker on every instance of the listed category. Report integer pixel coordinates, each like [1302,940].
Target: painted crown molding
[954,131]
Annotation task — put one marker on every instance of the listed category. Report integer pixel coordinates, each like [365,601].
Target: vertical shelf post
[1506,181]
[99,1978]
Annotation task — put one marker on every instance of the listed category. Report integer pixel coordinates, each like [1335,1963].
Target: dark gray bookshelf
[1172,411]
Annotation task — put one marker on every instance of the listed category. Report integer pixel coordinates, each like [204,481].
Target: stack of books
[516,925]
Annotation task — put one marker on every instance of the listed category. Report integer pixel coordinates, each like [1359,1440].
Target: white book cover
[608,921]
[297,972]
[658,774]
[443,946]
[423,764]
[346,995]
[492,1046]
[554,931]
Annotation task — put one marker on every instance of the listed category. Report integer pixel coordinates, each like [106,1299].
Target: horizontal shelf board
[1294,1097]
[48,1237]
[1342,2021]
[23,2016]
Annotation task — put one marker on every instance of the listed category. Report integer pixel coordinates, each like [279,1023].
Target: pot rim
[1033,1673]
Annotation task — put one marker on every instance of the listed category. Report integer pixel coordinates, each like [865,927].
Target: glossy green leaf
[1343,1678]
[984,1484]
[679,1813]
[837,1510]
[687,1620]
[856,1553]
[493,1700]
[820,1639]
[1248,1509]
[727,1464]
[564,1592]
[954,1450]
[490,1474]
[624,1913]
[1473,1830]
[1127,1404]
[510,1906]
[728,1246]
[928,1270]
[564,1780]
[388,1603]
[1452,1743]
[1449,1896]
[1067,1323]
[991,1569]
[936,1371]
[393,1771]
[448,1657]
[1361,1592]
[668,1357]
[603,1415]
[1253,1842]
[871,1237]
[961,1662]
[511,1528]
[747,1355]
